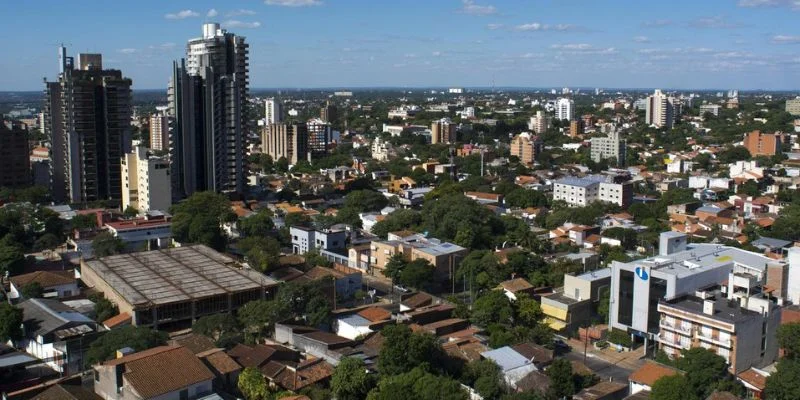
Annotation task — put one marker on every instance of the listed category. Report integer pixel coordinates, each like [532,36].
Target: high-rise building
[285,140]
[576,128]
[329,113]
[793,106]
[763,144]
[15,163]
[564,108]
[660,110]
[611,146]
[87,116]
[274,111]
[159,131]
[443,131]
[526,147]
[319,136]
[146,182]
[207,94]
[539,123]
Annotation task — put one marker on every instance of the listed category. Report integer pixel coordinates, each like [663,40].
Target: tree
[784,384]
[561,380]
[253,385]
[674,387]
[706,371]
[417,274]
[262,253]
[527,310]
[365,200]
[259,316]
[394,267]
[733,154]
[218,326]
[106,244]
[130,212]
[604,304]
[198,219]
[350,380]
[485,377]
[491,308]
[403,350]
[47,241]
[417,384]
[282,165]
[84,222]
[136,337]
[258,224]
[789,339]
[297,219]
[12,256]
[10,322]
[103,308]
[32,290]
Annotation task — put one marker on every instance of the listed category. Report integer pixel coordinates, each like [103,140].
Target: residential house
[362,323]
[443,256]
[306,239]
[575,304]
[642,379]
[312,341]
[164,372]
[58,284]
[754,381]
[605,390]
[513,365]
[513,287]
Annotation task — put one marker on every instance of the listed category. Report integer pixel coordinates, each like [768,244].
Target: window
[184,394]
[625,296]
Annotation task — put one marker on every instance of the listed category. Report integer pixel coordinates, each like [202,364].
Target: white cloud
[494,27]
[572,46]
[474,9]
[436,53]
[410,55]
[234,24]
[785,39]
[183,14]
[536,26]
[127,51]
[531,55]
[641,39]
[715,22]
[241,11]
[582,48]
[793,4]
[657,23]
[293,3]
[212,13]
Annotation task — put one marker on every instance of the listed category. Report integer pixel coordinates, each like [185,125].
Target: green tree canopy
[12,256]
[32,290]
[706,371]
[562,384]
[262,252]
[135,337]
[492,307]
[789,339]
[198,219]
[417,274]
[784,384]
[259,224]
[403,350]
[419,385]
[350,380]
[106,244]
[10,322]
[258,317]
[253,385]
[218,327]
[674,387]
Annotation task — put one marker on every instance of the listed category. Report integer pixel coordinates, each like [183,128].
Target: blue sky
[743,44]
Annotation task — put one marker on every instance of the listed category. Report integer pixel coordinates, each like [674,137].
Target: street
[606,363]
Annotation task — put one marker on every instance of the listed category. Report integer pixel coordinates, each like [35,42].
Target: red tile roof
[648,373]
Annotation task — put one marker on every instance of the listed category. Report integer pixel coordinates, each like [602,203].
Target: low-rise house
[57,334]
[306,239]
[642,379]
[485,198]
[605,390]
[468,349]
[444,256]
[67,392]
[575,304]
[362,323]
[754,381]
[58,284]
[346,280]
[513,365]
[412,301]
[312,341]
[150,232]
[164,372]
[512,287]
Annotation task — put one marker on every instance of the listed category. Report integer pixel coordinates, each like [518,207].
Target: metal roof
[175,275]
[506,357]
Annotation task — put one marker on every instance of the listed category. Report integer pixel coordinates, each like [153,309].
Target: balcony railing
[675,327]
[715,340]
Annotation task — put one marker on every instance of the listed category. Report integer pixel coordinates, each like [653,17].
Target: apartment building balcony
[673,342]
[714,340]
[675,327]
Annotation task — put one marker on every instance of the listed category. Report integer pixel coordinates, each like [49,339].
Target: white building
[394,130]
[660,111]
[381,149]
[611,146]
[455,90]
[274,111]
[710,108]
[539,123]
[564,108]
[146,181]
[159,131]
[584,191]
[467,113]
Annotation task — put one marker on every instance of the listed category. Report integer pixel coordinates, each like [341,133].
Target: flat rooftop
[724,310]
[175,275]
[700,257]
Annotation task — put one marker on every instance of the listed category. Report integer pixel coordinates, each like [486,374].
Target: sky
[736,44]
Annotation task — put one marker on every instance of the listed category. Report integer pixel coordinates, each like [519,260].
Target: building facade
[87,117]
[159,132]
[793,106]
[526,147]
[329,113]
[306,239]
[319,136]
[285,140]
[564,109]
[207,94]
[539,123]
[443,131]
[274,111]
[445,257]
[660,110]
[763,144]
[15,161]
[584,191]
[611,146]
[146,182]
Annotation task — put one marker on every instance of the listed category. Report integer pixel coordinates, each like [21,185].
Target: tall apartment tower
[15,162]
[147,183]
[87,115]
[285,140]
[319,135]
[611,146]
[273,111]
[443,131]
[207,94]
[329,113]
[526,147]
[660,110]
[564,108]
[159,131]
[539,123]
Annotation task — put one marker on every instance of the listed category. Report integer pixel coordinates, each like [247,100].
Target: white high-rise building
[274,111]
[564,107]
[660,111]
[146,181]
[539,123]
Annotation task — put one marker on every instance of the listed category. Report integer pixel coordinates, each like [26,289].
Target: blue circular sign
[642,273]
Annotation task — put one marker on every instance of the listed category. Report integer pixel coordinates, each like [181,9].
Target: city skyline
[746,44]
